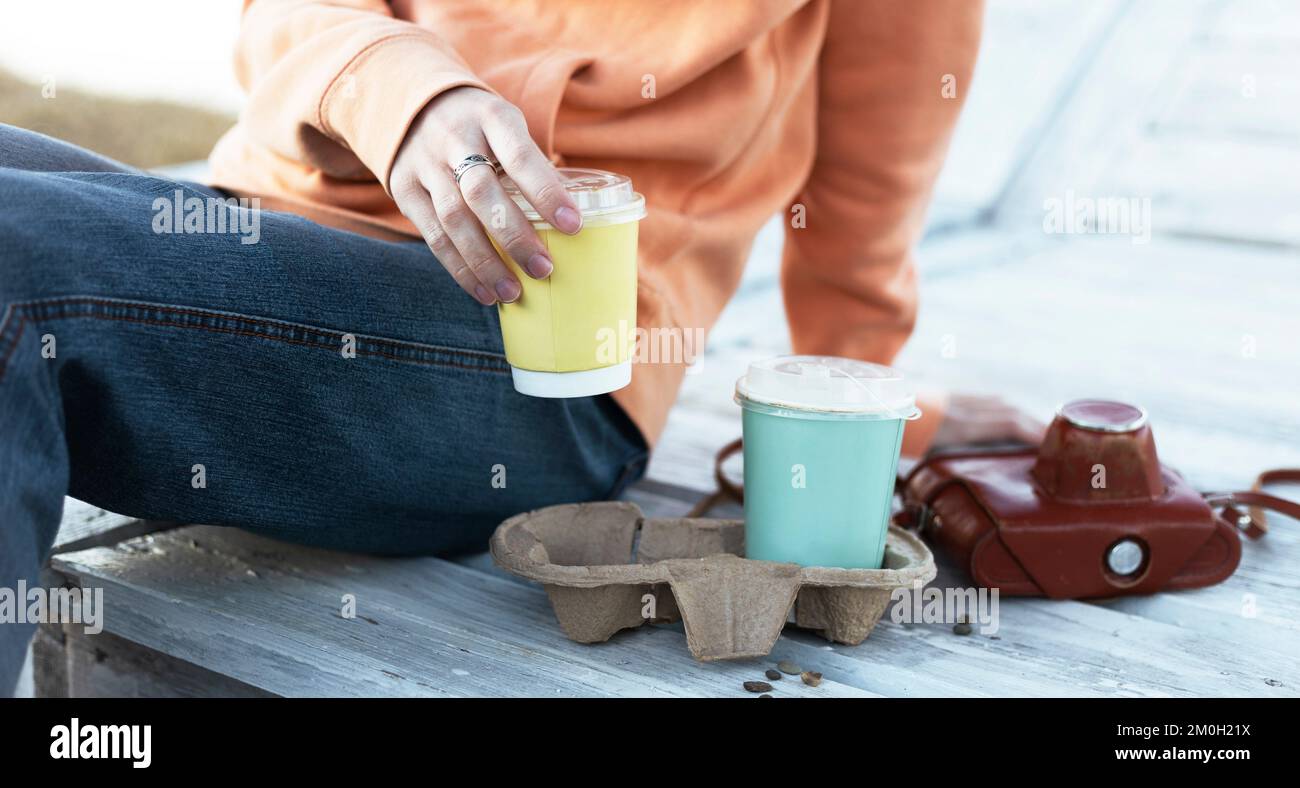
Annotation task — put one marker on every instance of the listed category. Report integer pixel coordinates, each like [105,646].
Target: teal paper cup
[822,438]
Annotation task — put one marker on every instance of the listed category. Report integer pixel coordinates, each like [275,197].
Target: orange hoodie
[836,113]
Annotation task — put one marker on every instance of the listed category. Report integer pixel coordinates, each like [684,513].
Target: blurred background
[1185,109]
[147,82]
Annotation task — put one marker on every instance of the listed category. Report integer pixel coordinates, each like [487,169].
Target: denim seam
[98,308]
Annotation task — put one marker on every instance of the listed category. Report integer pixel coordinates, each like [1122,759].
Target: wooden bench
[206,611]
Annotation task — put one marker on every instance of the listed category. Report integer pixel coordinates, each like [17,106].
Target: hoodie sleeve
[892,78]
[335,85]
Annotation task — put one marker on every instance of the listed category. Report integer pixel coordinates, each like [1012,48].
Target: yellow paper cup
[572,334]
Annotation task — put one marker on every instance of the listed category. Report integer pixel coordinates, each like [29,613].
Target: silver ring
[474,160]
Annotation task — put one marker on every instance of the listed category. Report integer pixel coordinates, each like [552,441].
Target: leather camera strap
[727,489]
[1253,521]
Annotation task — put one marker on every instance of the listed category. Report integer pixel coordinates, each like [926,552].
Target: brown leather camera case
[1091,513]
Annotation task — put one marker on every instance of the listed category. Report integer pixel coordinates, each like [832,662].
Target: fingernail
[484,295]
[508,289]
[539,266]
[568,220]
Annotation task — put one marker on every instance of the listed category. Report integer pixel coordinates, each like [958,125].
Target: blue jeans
[316,386]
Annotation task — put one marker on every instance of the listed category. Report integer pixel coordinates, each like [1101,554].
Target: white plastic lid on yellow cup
[826,387]
[602,197]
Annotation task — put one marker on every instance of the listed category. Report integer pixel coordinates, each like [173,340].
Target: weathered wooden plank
[1249,201]
[1239,91]
[1120,84]
[685,454]
[49,663]
[1228,611]
[658,499]
[1272,25]
[1047,648]
[1259,606]
[76,665]
[1167,110]
[267,614]
[85,525]
[1211,355]
[1018,84]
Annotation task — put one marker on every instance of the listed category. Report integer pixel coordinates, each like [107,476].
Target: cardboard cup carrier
[606,568]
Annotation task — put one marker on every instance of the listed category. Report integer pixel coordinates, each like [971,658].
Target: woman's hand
[453,218]
[979,418]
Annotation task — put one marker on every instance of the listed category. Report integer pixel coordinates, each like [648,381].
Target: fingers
[416,204]
[507,134]
[458,220]
[504,221]
[466,232]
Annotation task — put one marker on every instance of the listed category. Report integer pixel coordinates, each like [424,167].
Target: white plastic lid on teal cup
[826,387]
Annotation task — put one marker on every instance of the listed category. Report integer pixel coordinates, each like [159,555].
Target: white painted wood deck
[1190,104]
